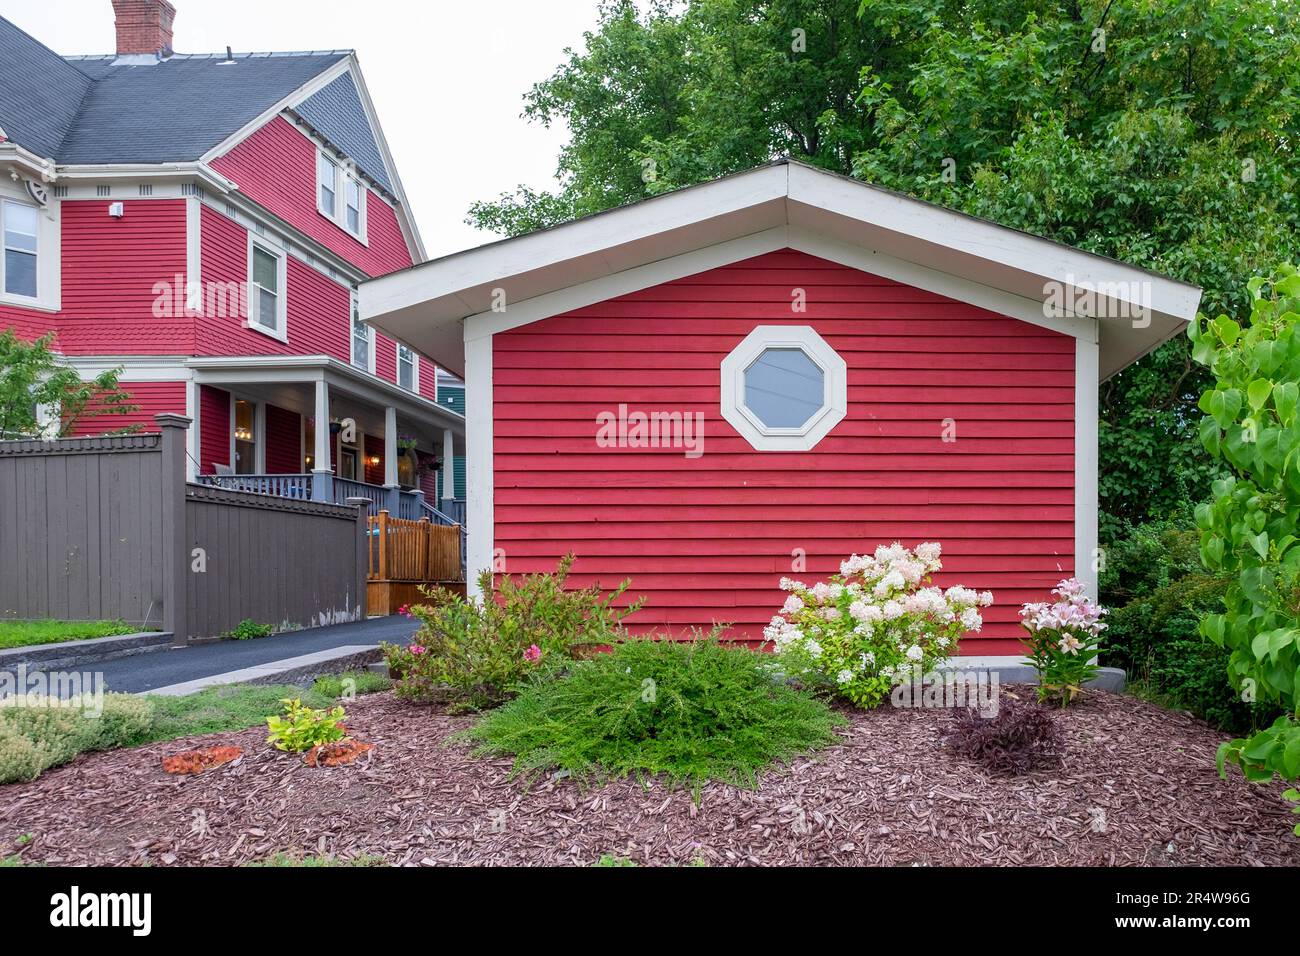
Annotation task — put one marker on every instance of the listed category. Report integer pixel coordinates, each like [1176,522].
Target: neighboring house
[203,222]
[865,368]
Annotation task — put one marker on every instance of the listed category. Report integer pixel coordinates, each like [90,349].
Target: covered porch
[314,428]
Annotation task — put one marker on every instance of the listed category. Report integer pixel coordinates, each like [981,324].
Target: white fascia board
[462,284]
[149,172]
[959,242]
[134,368]
[480,508]
[25,159]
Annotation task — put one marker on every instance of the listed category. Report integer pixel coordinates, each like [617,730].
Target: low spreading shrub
[474,654]
[1064,640]
[872,625]
[350,684]
[301,728]
[1022,736]
[36,734]
[692,711]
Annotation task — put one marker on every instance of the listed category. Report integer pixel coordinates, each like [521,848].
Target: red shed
[756,377]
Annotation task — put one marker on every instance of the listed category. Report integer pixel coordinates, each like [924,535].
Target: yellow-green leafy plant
[301,727]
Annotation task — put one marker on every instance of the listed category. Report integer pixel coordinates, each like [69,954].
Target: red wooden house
[203,223]
[753,378]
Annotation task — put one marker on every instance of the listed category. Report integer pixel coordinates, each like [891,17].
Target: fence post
[383,545]
[175,556]
[363,551]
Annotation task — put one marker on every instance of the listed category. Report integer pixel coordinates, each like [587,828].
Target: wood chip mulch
[1137,787]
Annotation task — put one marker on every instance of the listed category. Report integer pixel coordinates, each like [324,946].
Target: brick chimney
[144,26]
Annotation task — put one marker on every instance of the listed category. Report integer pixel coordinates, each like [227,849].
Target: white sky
[447,79]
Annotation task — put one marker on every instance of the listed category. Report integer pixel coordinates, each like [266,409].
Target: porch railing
[282,486]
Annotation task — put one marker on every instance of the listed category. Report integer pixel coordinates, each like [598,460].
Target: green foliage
[1169,146]
[247,630]
[301,727]
[1158,592]
[29,633]
[1249,529]
[31,375]
[350,684]
[221,709]
[475,654]
[610,859]
[38,734]
[692,711]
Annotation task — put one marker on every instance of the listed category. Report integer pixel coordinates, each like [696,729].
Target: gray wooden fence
[107,528]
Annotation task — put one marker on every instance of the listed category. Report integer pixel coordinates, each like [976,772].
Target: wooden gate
[406,554]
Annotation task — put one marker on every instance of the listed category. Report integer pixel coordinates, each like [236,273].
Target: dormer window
[335,181]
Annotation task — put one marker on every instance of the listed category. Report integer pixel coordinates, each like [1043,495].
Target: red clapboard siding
[707,539]
[317,307]
[214,428]
[28,324]
[428,378]
[283,441]
[112,269]
[153,398]
[276,167]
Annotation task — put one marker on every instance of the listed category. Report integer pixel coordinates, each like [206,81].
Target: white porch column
[390,447]
[192,448]
[322,484]
[448,465]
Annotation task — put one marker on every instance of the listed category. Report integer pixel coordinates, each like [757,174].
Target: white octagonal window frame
[835,388]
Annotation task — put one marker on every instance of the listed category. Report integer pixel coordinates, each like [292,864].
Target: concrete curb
[70,655]
[291,670]
[1013,671]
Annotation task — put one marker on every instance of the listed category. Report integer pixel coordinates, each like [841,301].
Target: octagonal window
[784,388]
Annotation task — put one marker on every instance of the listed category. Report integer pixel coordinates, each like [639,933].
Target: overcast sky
[447,79]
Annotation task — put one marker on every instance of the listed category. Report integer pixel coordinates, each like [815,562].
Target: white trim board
[425,305]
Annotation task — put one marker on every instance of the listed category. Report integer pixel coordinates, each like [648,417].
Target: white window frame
[415,368]
[345,174]
[47,249]
[834,388]
[280,331]
[354,310]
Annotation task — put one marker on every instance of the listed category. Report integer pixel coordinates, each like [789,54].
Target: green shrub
[247,630]
[36,734]
[692,711]
[476,654]
[1158,591]
[301,727]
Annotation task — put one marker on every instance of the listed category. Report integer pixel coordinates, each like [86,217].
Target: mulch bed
[1137,787]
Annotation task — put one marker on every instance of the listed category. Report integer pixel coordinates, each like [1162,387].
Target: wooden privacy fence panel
[403,550]
[277,561]
[107,528]
[81,529]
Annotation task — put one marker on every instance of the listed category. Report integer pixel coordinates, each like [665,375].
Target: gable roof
[439,305]
[94,110]
[335,111]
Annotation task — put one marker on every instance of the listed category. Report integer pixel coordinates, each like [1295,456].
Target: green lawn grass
[30,633]
[240,706]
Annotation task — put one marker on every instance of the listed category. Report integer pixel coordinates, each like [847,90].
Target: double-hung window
[327,181]
[363,340]
[341,195]
[408,368]
[18,224]
[266,281]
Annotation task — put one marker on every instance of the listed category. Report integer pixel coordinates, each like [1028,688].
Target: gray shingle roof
[96,110]
[39,92]
[335,111]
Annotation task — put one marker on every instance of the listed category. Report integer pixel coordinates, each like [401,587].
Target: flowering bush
[1064,639]
[474,654]
[863,632]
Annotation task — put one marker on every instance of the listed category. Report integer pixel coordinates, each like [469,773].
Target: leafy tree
[1249,528]
[31,375]
[1160,132]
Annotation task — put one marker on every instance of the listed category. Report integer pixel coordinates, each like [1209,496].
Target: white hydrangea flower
[844,676]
